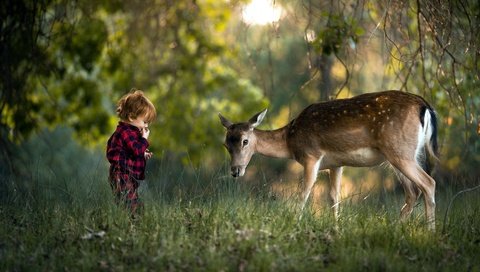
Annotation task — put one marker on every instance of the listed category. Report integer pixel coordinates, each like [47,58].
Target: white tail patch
[424,134]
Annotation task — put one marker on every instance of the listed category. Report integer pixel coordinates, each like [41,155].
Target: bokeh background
[64,65]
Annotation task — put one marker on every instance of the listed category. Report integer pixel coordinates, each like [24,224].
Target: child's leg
[117,184]
[133,202]
[126,193]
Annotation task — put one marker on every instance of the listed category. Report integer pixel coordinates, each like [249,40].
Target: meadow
[199,220]
[222,226]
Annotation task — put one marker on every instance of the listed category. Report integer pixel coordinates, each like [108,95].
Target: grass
[205,222]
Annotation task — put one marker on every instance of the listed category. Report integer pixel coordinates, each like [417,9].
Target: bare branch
[347,76]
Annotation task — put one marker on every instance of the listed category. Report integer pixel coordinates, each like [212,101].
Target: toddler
[127,148]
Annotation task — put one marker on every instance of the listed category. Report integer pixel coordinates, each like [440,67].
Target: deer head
[240,141]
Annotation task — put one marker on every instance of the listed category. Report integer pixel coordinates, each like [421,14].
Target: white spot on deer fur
[357,157]
[391,123]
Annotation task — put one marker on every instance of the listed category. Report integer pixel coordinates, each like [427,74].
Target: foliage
[52,166]
[325,50]
[436,59]
[178,55]
[67,62]
[92,53]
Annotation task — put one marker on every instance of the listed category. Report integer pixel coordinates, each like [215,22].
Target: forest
[65,64]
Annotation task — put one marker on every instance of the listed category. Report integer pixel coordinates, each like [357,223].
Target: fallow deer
[367,130]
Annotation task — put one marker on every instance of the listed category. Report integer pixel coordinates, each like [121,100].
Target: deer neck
[272,143]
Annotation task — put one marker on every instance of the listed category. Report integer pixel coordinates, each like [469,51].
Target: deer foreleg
[335,181]
[311,166]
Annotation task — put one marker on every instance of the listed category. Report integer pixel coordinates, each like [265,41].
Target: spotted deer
[367,130]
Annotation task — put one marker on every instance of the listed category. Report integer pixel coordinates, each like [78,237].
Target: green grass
[205,222]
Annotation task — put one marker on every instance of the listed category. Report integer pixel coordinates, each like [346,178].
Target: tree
[343,48]
[24,31]
[180,56]
[67,62]
[434,50]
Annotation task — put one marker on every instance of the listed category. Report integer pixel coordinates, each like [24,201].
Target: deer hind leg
[411,196]
[424,182]
[310,169]
[335,181]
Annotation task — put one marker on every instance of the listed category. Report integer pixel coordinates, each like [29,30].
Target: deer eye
[245,142]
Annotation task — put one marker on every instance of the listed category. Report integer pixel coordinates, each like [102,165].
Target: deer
[392,127]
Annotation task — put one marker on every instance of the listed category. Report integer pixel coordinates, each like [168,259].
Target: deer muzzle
[237,171]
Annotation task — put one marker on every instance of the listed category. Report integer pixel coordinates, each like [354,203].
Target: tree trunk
[324,64]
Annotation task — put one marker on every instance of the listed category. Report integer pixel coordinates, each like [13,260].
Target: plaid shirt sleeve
[134,142]
[126,152]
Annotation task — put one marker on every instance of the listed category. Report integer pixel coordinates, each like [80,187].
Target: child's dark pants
[125,190]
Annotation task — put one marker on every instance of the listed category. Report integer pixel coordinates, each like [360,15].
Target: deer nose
[235,171]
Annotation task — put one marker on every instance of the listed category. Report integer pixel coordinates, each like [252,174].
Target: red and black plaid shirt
[126,152]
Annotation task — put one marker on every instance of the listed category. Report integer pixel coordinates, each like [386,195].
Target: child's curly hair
[135,104]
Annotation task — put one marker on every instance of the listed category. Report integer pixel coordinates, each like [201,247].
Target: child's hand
[145,132]
[148,154]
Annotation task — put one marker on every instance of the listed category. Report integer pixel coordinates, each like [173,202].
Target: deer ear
[257,119]
[225,122]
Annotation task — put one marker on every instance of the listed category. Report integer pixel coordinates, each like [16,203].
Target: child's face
[139,122]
